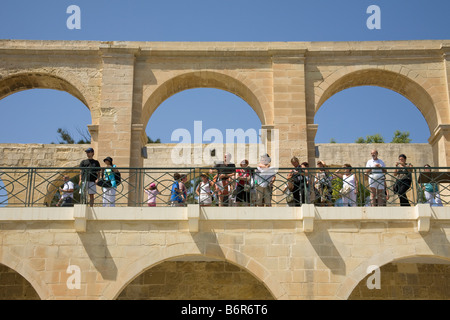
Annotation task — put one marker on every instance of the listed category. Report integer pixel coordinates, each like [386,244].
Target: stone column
[115,134]
[118,136]
[290,105]
[440,142]
[440,138]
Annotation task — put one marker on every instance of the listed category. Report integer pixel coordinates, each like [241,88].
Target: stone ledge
[193,214]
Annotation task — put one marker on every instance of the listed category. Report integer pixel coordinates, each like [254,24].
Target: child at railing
[152,191]
[431,191]
[66,191]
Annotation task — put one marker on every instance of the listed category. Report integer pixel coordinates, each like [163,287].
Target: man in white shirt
[376,180]
[66,191]
[264,179]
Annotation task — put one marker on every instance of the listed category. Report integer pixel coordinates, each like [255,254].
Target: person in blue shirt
[431,191]
[109,189]
[176,197]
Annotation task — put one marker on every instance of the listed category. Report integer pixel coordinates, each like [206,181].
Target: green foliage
[332,140]
[336,186]
[66,138]
[362,194]
[150,140]
[401,137]
[376,138]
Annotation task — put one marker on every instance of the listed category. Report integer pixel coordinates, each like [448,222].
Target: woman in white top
[204,191]
[349,186]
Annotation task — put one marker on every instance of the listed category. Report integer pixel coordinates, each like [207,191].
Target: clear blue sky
[225,20]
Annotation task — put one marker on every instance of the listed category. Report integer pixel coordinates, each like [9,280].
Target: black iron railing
[36,187]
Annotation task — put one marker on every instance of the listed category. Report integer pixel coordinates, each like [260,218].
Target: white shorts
[376,181]
[205,199]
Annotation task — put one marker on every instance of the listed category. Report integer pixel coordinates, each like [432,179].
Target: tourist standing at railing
[377,181]
[297,183]
[66,192]
[110,184]
[223,180]
[404,179]
[323,185]
[183,188]
[243,184]
[176,198]
[264,179]
[89,175]
[431,190]
[152,191]
[204,191]
[349,189]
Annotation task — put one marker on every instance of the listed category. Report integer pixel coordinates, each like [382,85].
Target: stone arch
[395,255]
[404,85]
[28,273]
[128,273]
[39,80]
[239,86]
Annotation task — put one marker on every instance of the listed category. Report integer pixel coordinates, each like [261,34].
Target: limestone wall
[357,154]
[412,281]
[15,287]
[41,155]
[195,280]
[295,253]
[165,155]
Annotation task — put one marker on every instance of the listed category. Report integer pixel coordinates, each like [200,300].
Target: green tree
[401,137]
[332,140]
[150,140]
[66,138]
[376,138]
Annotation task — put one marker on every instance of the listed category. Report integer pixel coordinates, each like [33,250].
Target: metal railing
[38,187]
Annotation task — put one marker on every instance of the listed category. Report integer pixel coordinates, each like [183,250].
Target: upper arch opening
[204,79]
[26,81]
[388,80]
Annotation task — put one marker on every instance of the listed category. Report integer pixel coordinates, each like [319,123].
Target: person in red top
[243,180]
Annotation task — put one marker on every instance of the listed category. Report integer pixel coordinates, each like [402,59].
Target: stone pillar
[118,136]
[440,142]
[290,105]
[115,134]
[440,137]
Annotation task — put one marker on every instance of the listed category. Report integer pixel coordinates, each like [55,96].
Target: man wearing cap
[88,177]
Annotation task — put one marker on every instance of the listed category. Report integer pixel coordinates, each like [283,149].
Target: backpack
[118,177]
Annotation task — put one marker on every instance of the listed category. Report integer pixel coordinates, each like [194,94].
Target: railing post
[30,188]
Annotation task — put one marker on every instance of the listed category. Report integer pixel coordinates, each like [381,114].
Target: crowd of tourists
[227,185]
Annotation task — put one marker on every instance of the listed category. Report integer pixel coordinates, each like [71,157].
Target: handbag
[104,183]
[345,191]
